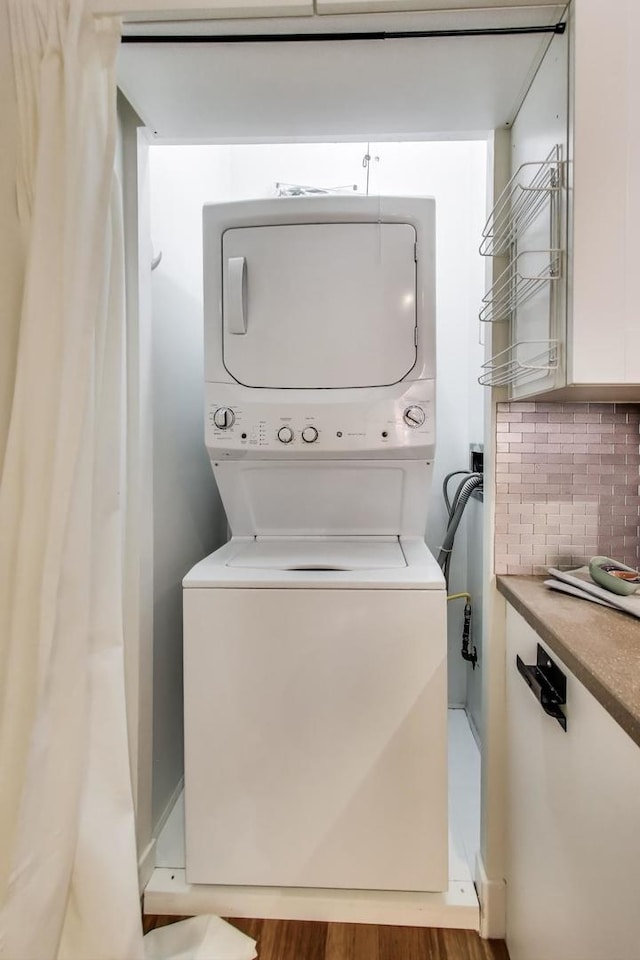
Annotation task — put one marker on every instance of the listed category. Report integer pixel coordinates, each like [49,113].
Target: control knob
[309,434]
[414,416]
[224,418]
[285,434]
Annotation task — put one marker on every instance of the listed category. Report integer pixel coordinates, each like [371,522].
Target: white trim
[138,595]
[472,726]
[166,813]
[169,893]
[212,9]
[493,717]
[493,903]
[147,859]
[146,865]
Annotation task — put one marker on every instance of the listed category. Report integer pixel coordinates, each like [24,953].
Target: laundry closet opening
[189,521]
[239,121]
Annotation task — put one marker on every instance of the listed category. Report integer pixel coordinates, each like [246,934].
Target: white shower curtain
[68,871]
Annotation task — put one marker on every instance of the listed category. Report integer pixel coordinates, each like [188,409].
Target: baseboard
[166,813]
[147,859]
[474,731]
[169,893]
[146,865]
[493,904]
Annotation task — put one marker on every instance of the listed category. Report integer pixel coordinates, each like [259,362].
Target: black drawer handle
[548,684]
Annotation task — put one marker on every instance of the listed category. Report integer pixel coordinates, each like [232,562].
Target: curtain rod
[556,28]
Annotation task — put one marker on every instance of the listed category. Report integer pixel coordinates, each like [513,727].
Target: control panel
[395,427]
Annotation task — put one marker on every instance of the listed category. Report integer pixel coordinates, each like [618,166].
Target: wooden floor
[300,940]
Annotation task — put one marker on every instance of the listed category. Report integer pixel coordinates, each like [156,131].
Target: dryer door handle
[236,305]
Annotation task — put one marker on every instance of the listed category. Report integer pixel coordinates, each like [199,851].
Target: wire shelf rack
[521,202]
[522,361]
[527,274]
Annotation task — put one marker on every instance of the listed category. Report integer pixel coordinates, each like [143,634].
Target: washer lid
[374,553]
[418,569]
[319,305]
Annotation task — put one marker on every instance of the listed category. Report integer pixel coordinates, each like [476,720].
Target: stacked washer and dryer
[315,665]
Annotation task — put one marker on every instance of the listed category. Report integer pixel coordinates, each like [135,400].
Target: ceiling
[313,90]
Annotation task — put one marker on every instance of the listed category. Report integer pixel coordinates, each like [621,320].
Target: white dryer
[315,640]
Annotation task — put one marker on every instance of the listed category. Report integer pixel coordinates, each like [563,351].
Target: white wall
[188,520]
[454,173]
[185,177]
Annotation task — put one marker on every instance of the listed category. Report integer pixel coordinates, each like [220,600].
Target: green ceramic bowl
[614,576]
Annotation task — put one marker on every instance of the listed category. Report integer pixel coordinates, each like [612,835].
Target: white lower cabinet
[573,859]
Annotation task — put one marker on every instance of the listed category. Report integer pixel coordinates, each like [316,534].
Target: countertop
[600,646]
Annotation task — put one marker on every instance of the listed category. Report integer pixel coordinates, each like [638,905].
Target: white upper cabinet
[378,6]
[604,319]
[539,149]
[527,234]
[184,9]
[572,313]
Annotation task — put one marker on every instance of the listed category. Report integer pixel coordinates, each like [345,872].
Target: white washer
[315,640]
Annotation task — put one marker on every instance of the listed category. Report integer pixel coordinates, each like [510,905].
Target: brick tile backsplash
[567,485]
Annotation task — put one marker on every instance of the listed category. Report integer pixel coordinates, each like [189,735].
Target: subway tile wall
[567,477]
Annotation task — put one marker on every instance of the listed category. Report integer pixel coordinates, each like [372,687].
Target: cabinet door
[526,235]
[377,6]
[540,133]
[214,8]
[573,823]
[605,321]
